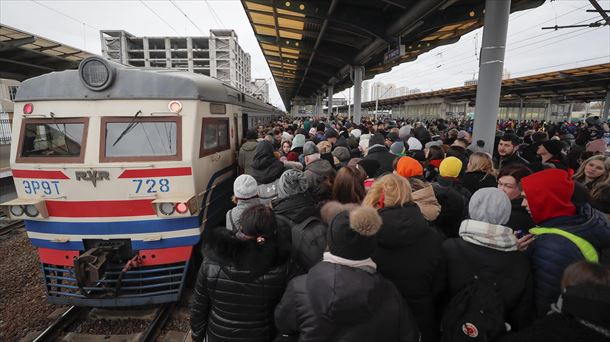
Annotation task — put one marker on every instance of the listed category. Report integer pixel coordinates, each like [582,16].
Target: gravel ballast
[23,302]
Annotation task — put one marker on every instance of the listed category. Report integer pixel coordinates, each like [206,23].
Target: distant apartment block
[259,88]
[218,55]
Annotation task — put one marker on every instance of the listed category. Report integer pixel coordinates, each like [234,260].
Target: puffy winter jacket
[427,202]
[383,157]
[405,236]
[340,303]
[476,180]
[520,219]
[237,289]
[509,269]
[246,156]
[550,254]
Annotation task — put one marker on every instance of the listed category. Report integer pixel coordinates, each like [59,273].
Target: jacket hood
[549,194]
[402,226]
[343,294]
[320,167]
[249,145]
[427,202]
[296,207]
[265,168]
[588,223]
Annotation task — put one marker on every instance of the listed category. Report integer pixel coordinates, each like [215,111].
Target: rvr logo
[92,176]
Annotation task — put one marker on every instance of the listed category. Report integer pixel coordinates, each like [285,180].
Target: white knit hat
[245,187]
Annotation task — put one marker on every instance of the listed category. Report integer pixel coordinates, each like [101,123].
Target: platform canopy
[310,45]
[24,55]
[584,84]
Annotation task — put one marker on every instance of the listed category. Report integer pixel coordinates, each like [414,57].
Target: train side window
[52,140]
[214,136]
[142,139]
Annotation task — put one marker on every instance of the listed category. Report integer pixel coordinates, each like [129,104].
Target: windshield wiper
[127,129]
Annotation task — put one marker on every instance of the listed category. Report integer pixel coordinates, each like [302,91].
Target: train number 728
[151,185]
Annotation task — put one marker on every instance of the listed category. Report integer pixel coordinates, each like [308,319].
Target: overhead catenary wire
[187,17]
[160,17]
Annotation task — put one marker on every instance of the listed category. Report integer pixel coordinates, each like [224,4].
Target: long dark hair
[348,186]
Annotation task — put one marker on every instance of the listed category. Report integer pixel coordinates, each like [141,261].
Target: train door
[244,124]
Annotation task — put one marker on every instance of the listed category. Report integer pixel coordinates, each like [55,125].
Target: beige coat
[427,203]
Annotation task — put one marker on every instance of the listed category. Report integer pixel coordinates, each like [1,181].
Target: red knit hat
[409,167]
[549,194]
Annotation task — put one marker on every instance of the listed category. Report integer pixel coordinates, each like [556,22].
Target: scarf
[367,264]
[488,235]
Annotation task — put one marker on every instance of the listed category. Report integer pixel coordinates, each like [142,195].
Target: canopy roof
[312,44]
[583,84]
[23,55]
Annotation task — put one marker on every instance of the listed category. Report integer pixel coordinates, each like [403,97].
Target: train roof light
[181,208]
[96,73]
[175,106]
[28,108]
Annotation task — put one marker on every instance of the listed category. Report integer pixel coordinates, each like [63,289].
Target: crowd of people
[401,230]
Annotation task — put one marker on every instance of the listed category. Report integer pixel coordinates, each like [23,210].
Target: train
[118,170]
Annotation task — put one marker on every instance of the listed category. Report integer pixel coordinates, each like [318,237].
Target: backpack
[476,313]
[308,240]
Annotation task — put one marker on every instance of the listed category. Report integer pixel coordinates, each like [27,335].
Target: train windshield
[143,138]
[52,139]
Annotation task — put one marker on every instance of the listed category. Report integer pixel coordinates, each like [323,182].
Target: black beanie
[377,139]
[370,166]
[352,234]
[553,146]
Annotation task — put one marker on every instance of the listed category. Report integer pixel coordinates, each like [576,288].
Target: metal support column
[490,71]
[330,100]
[358,71]
[318,110]
[606,107]
[520,108]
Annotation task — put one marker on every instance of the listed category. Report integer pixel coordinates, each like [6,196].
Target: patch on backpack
[470,330]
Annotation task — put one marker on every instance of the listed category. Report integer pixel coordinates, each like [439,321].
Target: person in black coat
[487,249]
[408,252]
[240,281]
[379,152]
[344,298]
[480,173]
[580,313]
[509,181]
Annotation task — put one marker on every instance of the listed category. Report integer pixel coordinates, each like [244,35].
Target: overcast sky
[530,50]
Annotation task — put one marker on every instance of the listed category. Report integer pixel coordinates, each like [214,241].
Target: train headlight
[166,208]
[31,210]
[16,210]
[175,106]
[181,208]
[28,108]
[96,73]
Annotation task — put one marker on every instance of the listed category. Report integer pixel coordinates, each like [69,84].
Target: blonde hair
[394,189]
[580,174]
[481,161]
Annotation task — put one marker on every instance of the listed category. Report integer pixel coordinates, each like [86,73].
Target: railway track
[8,226]
[78,315]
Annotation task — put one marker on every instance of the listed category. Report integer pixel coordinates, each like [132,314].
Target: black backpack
[476,313]
[308,240]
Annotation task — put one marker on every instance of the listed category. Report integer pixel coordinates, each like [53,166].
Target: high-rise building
[366,91]
[218,55]
[259,88]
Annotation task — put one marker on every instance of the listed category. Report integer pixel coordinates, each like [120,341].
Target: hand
[525,241]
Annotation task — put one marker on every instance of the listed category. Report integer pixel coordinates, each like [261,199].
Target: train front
[105,185]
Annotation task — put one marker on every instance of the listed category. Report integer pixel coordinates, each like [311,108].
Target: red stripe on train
[150,257]
[165,256]
[100,208]
[40,174]
[57,256]
[165,172]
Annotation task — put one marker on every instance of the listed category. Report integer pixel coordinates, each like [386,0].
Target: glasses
[507,185]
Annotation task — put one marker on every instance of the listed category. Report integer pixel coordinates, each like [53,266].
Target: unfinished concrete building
[218,55]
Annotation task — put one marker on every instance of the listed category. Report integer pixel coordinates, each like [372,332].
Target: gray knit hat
[398,148]
[342,153]
[310,148]
[291,182]
[490,205]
